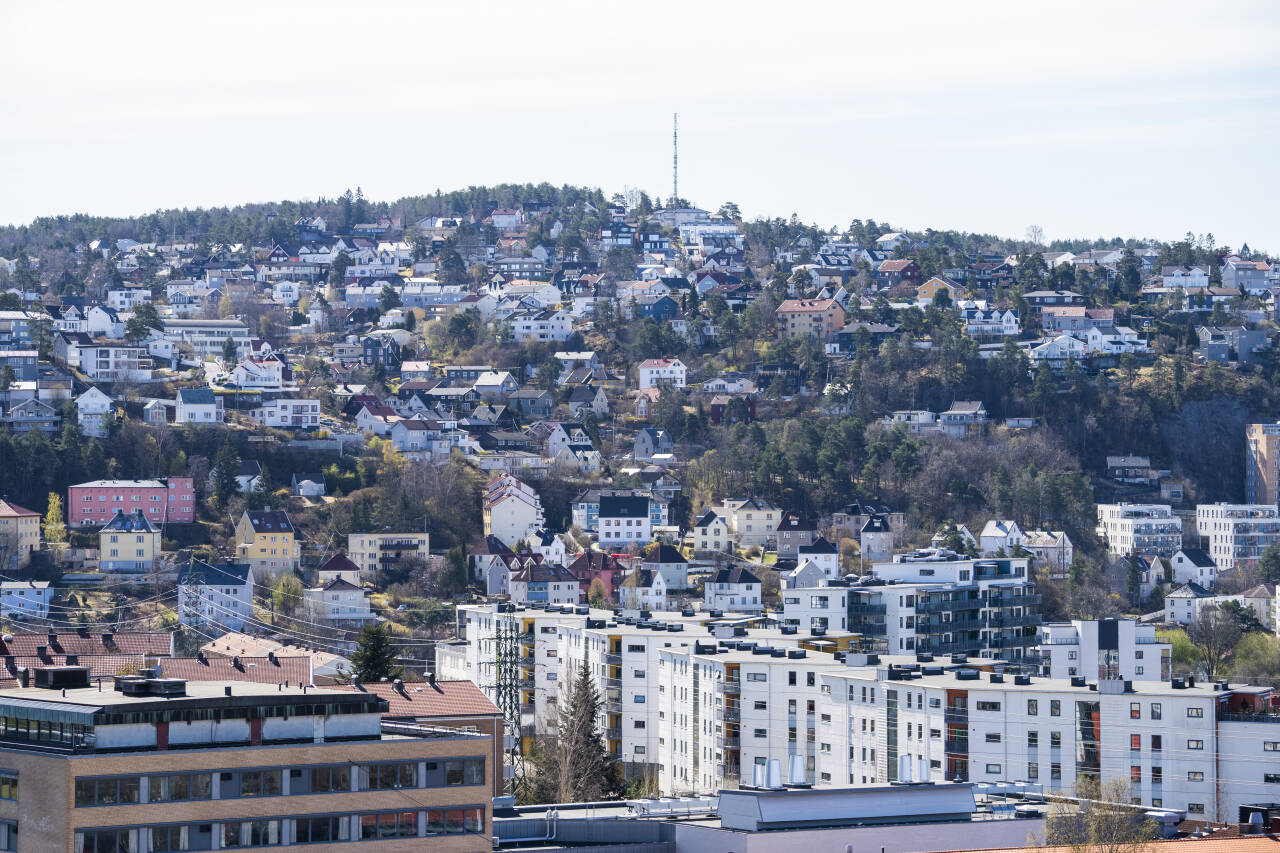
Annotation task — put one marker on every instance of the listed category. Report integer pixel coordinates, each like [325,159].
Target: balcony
[528,731]
[1011,642]
[870,629]
[525,681]
[867,609]
[609,681]
[948,605]
[526,708]
[728,741]
[730,687]
[954,647]
[935,626]
[1018,600]
[956,747]
[614,733]
[1026,620]
[613,658]
[732,715]
[956,715]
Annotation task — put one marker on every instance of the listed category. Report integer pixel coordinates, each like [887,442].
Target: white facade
[1237,533]
[512,510]
[1114,648]
[1140,529]
[542,326]
[288,413]
[25,599]
[656,372]
[92,409]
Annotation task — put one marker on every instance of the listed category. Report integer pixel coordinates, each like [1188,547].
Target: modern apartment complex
[159,764]
[1140,529]
[1103,648]
[700,701]
[1262,463]
[1237,533]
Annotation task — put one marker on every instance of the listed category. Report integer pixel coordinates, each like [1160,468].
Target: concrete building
[734,589]
[160,764]
[19,535]
[337,602]
[267,541]
[512,510]
[1237,534]
[1139,529]
[25,599]
[216,596]
[385,550]
[1106,648]
[163,501]
[1262,463]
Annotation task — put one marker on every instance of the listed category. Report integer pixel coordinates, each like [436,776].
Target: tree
[1256,659]
[286,594]
[1183,653]
[1243,617]
[1269,563]
[729,210]
[1035,235]
[229,352]
[583,767]
[1133,579]
[1215,633]
[374,657]
[598,594]
[226,467]
[338,268]
[7,377]
[53,527]
[1101,821]
[389,298]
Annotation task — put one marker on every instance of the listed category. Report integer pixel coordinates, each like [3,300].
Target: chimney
[53,639]
[227,690]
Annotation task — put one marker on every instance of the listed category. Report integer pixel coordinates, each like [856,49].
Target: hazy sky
[1089,119]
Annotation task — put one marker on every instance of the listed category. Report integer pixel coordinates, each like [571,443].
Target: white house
[1192,565]
[711,533]
[25,599]
[550,546]
[337,602]
[1000,535]
[643,589]
[495,384]
[197,406]
[624,519]
[733,589]
[537,582]
[1058,350]
[92,409]
[265,372]
[216,596]
[512,510]
[288,413]
[656,372]
[549,325]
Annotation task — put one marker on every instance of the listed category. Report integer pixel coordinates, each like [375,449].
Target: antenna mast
[675,158]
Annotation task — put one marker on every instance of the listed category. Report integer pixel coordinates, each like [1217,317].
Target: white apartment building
[337,602]
[1105,648]
[551,325]
[207,337]
[373,551]
[1140,529]
[287,413]
[1237,533]
[656,372]
[512,510]
[700,702]
[218,597]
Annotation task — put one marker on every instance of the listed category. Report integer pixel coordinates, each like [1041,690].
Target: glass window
[8,786]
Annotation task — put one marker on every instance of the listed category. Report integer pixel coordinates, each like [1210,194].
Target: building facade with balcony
[1237,534]
[1140,529]
[384,550]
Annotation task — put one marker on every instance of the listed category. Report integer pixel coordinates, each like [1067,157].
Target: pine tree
[375,658]
[584,769]
[225,468]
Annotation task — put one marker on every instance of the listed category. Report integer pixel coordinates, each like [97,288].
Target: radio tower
[507,690]
[675,158]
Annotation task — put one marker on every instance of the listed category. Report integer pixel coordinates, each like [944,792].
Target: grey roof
[1198,558]
[196,397]
[134,522]
[735,574]
[618,506]
[222,574]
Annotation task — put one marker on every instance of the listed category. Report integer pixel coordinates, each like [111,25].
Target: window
[1195,808]
[759,733]
[1271,746]
[1157,743]
[379,777]
[761,705]
[1271,778]
[179,787]
[1055,739]
[988,706]
[107,792]
[1195,744]
[1156,713]
[1033,739]
[993,768]
[757,676]
[1195,712]
[448,822]
[1033,707]
[1055,707]
[93,840]
[9,785]
[993,737]
[1157,775]
[313,830]
[1195,775]
[1055,771]
[1135,741]
[1033,770]
[1135,773]
[1135,710]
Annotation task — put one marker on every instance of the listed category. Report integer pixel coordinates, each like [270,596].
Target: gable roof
[223,574]
[259,670]
[9,509]
[821,545]
[196,397]
[339,562]
[421,700]
[624,506]
[88,643]
[735,574]
[269,520]
[665,555]
[133,522]
[1198,558]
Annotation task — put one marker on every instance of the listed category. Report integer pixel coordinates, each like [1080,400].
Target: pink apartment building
[163,501]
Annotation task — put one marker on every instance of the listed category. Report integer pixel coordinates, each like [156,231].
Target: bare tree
[1101,820]
[1035,235]
[1216,634]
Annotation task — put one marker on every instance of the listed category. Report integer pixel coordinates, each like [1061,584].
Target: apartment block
[163,501]
[1103,648]
[1237,534]
[1262,463]
[1140,529]
[160,764]
[384,550]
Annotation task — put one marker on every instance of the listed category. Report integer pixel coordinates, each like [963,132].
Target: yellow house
[927,291]
[19,534]
[266,540]
[128,543]
[373,551]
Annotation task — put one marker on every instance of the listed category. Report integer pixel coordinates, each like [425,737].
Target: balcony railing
[935,626]
[948,606]
[956,747]
[1011,642]
[731,687]
[609,681]
[728,741]
[954,647]
[867,609]
[956,715]
[732,715]
[1019,600]
[613,733]
[1023,621]
[871,629]
[613,659]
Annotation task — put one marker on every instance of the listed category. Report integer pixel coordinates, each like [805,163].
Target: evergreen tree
[225,468]
[375,658]
[584,768]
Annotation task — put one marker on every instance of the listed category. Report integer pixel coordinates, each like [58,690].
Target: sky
[1131,118]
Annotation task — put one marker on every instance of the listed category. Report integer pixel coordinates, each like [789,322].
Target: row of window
[268,782]
[272,832]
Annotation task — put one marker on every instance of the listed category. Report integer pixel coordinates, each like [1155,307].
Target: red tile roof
[99,665]
[12,510]
[423,700]
[89,643]
[259,670]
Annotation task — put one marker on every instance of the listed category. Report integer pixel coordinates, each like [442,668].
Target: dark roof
[491,545]
[339,563]
[665,554]
[1199,558]
[134,522]
[624,507]
[268,519]
[340,585]
[196,396]
[792,520]
[735,574]
[593,561]
[818,546]
[544,573]
[221,574]
[249,468]
[706,518]
[876,524]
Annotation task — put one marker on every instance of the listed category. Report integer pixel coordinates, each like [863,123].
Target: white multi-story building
[1105,648]
[624,519]
[216,596]
[550,325]
[734,589]
[207,337]
[1237,533]
[512,510]
[287,413]
[337,602]
[656,372]
[1140,529]
[699,702]
[25,599]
